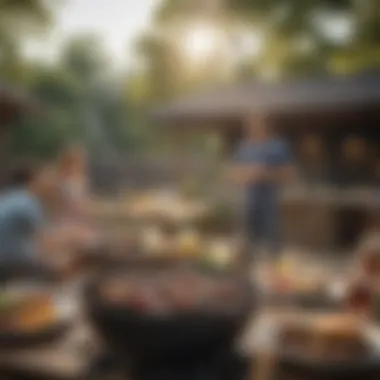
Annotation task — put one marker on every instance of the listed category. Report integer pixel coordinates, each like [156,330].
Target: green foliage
[20,19]
[286,26]
[41,136]
[84,58]
[161,67]
[69,91]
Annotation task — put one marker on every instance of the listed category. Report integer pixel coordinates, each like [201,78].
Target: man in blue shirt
[23,214]
[263,162]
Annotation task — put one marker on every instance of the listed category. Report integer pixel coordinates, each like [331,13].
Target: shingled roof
[284,97]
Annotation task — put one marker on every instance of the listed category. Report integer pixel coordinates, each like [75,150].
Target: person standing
[263,162]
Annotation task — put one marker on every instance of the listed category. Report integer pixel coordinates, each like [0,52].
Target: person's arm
[244,169]
[242,174]
[29,221]
[284,173]
[50,241]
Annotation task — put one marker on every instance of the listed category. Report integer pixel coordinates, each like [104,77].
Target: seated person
[24,215]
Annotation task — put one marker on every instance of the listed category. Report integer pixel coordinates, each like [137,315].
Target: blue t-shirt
[273,153]
[21,217]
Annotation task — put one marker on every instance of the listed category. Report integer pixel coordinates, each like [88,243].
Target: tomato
[360,297]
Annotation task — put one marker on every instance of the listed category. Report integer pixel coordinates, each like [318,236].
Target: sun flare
[201,42]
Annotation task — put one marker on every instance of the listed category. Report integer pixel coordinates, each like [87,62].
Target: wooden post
[4,155]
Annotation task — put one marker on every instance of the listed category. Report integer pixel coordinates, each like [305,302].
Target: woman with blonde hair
[72,168]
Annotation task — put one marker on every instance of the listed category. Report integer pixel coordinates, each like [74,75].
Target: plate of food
[30,316]
[293,284]
[328,347]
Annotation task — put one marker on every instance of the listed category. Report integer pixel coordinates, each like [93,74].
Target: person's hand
[257,174]
[85,237]
[246,174]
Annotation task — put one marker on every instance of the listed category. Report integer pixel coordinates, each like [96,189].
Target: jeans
[263,224]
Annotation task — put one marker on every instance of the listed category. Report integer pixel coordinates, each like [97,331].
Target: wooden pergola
[290,98]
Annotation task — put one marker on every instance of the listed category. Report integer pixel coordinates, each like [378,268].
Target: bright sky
[116,21]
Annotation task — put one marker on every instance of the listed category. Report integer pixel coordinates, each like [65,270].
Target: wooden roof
[302,96]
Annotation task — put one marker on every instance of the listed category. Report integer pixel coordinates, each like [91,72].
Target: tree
[102,112]
[299,37]
[160,66]
[19,19]
[291,22]
[85,58]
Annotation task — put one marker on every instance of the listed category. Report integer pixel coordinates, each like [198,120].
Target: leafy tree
[289,22]
[160,66]
[19,19]
[299,37]
[85,59]
[77,103]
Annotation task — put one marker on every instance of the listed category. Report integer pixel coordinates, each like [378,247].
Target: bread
[338,338]
[337,326]
[331,338]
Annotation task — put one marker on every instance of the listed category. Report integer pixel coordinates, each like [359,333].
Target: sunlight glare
[201,42]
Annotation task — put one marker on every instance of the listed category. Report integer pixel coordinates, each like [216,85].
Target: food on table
[220,253]
[39,311]
[171,291]
[337,289]
[141,204]
[153,240]
[339,338]
[360,297]
[221,218]
[26,312]
[330,338]
[189,243]
[164,205]
[294,336]
[290,277]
